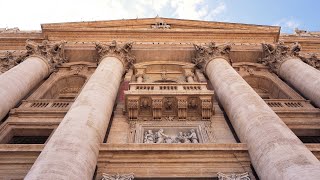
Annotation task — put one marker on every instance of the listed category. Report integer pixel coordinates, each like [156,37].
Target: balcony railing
[290,105]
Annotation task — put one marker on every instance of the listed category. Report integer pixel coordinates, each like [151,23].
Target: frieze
[123,53]
[276,54]
[204,54]
[117,176]
[171,132]
[233,176]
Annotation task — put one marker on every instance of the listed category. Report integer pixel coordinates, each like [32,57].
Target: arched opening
[266,88]
[65,88]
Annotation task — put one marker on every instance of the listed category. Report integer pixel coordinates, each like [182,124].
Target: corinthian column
[73,149]
[17,82]
[284,61]
[275,151]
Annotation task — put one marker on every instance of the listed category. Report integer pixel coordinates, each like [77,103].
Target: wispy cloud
[288,24]
[68,10]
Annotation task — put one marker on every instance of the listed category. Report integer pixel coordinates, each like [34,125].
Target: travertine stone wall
[303,77]
[72,151]
[275,151]
[16,83]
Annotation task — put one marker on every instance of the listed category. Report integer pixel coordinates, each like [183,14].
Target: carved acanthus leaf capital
[275,54]
[313,60]
[123,53]
[52,52]
[204,54]
[9,60]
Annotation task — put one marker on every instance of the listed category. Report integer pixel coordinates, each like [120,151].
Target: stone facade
[159,98]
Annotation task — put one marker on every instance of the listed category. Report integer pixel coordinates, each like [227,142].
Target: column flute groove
[286,62]
[40,60]
[75,143]
[275,151]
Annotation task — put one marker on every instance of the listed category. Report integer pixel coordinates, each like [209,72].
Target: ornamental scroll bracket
[52,52]
[123,53]
[276,54]
[204,54]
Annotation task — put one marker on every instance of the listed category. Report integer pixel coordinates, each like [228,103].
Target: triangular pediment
[159,29]
[158,23]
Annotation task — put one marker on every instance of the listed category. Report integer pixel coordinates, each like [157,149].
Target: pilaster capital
[123,53]
[204,54]
[51,52]
[9,60]
[312,59]
[276,54]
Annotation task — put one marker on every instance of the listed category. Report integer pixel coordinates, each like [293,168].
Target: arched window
[65,88]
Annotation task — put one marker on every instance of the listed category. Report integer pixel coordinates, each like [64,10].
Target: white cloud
[288,24]
[28,15]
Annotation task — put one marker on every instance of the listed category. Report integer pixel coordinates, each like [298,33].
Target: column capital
[204,54]
[9,60]
[311,59]
[123,53]
[276,54]
[52,53]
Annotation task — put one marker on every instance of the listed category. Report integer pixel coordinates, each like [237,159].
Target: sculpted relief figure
[149,137]
[161,137]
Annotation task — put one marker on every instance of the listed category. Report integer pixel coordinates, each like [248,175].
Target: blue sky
[289,14]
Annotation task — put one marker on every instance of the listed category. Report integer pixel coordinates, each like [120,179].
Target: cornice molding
[276,54]
[123,53]
[204,54]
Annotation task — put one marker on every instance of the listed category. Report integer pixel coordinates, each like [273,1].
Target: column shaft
[275,151]
[303,77]
[17,82]
[73,149]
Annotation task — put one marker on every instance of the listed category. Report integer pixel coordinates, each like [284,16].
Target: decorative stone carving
[117,177]
[312,60]
[275,54]
[9,61]
[160,25]
[206,104]
[204,54]
[182,107]
[52,52]
[76,69]
[133,105]
[161,137]
[156,108]
[233,176]
[113,49]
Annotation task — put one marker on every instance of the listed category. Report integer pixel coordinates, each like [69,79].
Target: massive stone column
[72,151]
[18,81]
[275,151]
[284,61]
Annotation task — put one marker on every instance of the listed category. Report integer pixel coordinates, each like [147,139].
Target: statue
[193,136]
[179,138]
[186,138]
[161,136]
[148,137]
